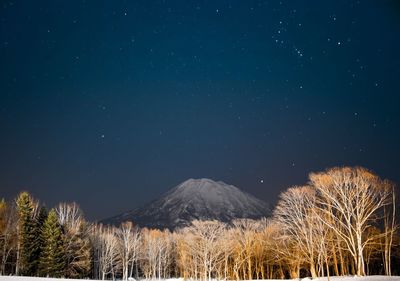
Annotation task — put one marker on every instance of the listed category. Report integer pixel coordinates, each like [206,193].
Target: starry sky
[112,103]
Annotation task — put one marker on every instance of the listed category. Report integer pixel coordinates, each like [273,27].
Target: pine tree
[52,256]
[27,259]
[37,244]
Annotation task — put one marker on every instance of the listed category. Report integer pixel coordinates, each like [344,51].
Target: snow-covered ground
[352,278]
[367,278]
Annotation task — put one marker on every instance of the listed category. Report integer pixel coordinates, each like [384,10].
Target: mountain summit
[201,199]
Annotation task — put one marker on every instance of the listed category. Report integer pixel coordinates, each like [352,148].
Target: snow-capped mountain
[202,199]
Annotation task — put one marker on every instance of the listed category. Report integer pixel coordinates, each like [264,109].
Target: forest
[342,222]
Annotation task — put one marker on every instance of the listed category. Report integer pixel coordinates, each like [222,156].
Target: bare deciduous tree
[70,215]
[246,237]
[351,198]
[156,253]
[295,212]
[106,258]
[390,228]
[128,247]
[8,232]
[204,244]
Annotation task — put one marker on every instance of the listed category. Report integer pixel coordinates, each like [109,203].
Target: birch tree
[247,240]
[128,238]
[8,234]
[390,228]
[295,213]
[106,256]
[351,198]
[205,245]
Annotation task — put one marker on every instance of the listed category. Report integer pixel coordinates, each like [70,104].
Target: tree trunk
[335,261]
[312,270]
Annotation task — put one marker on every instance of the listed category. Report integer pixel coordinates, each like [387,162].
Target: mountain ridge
[202,199]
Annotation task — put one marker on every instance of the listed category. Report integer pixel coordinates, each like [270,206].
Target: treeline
[341,223]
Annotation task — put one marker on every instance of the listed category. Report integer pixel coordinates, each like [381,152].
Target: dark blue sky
[111,103]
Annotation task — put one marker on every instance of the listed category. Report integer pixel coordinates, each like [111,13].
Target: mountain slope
[202,199]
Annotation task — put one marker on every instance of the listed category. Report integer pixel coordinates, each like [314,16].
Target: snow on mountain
[202,199]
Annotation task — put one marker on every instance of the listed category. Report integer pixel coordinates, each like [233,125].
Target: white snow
[202,199]
[334,278]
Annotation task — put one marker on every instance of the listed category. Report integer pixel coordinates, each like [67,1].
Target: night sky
[112,103]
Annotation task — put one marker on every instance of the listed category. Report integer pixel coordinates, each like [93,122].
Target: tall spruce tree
[27,236]
[52,256]
[37,244]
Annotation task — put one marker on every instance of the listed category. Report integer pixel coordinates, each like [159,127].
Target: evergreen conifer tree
[37,243]
[26,236]
[78,253]
[52,257]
